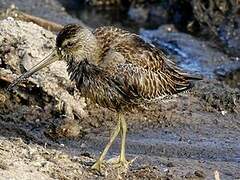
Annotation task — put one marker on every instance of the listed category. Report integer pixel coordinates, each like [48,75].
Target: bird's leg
[98,163]
[123,131]
[121,162]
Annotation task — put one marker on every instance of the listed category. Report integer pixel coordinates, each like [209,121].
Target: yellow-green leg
[123,131]
[97,165]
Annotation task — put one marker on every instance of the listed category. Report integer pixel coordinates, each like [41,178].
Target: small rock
[86,154]
[2,98]
[189,175]
[3,165]
[170,164]
[69,128]
[94,124]
[199,173]
[224,112]
[166,170]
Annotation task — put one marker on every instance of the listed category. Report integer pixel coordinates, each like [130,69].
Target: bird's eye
[69,44]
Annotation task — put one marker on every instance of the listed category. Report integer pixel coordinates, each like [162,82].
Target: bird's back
[141,70]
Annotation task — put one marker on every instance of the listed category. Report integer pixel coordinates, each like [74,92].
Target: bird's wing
[138,82]
[136,51]
[143,71]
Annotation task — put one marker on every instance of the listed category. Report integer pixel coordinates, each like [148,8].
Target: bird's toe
[120,163]
[96,166]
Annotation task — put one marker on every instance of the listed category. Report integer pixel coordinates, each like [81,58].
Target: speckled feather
[125,72]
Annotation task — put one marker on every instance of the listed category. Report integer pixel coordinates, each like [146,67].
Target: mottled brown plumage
[125,70]
[117,70]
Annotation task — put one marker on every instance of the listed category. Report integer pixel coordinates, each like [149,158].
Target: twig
[49,25]
[6,76]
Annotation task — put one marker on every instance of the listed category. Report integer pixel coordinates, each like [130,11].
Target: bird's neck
[85,60]
[81,72]
[75,69]
[94,55]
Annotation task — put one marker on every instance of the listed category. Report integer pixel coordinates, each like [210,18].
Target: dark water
[114,16]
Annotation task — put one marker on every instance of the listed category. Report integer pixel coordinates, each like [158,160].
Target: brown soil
[188,137]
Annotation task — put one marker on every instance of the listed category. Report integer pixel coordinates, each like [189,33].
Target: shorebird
[117,70]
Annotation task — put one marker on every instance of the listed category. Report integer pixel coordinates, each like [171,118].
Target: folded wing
[143,71]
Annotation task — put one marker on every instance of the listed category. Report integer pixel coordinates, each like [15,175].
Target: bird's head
[76,42]
[73,42]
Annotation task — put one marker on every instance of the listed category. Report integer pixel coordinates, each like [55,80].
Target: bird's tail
[189,82]
[183,81]
[193,77]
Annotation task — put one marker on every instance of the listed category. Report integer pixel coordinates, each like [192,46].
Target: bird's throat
[82,71]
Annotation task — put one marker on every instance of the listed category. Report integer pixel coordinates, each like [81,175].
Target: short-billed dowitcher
[115,69]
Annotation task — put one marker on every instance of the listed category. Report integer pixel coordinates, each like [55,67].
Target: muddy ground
[191,136]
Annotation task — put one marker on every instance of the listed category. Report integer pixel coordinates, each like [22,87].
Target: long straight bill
[52,57]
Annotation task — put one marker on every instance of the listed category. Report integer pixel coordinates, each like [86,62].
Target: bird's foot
[120,163]
[97,166]
[123,163]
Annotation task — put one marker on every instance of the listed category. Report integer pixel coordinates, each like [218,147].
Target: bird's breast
[96,84]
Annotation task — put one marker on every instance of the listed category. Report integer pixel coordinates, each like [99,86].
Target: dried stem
[16,14]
